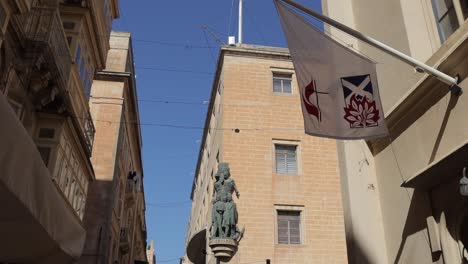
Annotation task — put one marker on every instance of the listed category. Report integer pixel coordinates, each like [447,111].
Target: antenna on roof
[240,21]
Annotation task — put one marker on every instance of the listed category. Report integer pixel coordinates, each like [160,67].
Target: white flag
[339,92]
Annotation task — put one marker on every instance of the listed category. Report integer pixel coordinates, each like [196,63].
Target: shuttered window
[282,83]
[286,159]
[289,227]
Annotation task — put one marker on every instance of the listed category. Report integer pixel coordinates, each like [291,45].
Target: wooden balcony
[45,35]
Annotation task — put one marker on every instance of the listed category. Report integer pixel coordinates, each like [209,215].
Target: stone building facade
[115,209]
[49,52]
[151,253]
[290,199]
[401,194]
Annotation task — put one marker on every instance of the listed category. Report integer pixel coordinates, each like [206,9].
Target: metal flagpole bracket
[455,89]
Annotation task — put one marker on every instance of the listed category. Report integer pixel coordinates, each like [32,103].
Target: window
[45,154]
[69,25]
[286,159]
[282,83]
[47,133]
[78,54]
[289,227]
[446,17]
[449,15]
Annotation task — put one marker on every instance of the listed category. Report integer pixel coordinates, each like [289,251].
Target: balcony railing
[89,133]
[44,33]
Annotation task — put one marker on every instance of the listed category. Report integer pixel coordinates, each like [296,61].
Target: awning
[36,223]
[442,170]
[196,248]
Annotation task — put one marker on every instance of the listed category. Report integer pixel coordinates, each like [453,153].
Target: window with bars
[286,159]
[282,83]
[289,227]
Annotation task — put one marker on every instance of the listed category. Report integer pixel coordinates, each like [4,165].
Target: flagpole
[453,82]
[240,21]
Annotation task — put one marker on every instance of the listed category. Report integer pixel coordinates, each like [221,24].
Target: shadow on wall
[356,254]
[452,205]
[415,222]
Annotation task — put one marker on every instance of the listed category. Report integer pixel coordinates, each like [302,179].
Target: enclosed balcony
[38,224]
[45,36]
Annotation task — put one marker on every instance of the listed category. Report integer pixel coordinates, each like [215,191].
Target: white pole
[240,21]
[395,53]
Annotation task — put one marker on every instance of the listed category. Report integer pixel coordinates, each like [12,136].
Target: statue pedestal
[223,248]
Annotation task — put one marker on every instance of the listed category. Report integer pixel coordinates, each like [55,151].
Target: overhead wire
[208,43]
[168,205]
[168,260]
[235,129]
[198,103]
[173,70]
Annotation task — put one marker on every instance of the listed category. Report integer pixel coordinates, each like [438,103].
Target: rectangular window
[47,133]
[282,83]
[78,54]
[45,154]
[446,17]
[289,227]
[286,159]
[69,25]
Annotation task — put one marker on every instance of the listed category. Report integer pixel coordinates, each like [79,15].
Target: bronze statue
[224,212]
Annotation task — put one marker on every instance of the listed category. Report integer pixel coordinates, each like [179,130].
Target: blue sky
[174,64]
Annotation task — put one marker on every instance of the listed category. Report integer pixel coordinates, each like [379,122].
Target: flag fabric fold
[339,91]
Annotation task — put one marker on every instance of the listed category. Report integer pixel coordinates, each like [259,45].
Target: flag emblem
[310,99]
[360,106]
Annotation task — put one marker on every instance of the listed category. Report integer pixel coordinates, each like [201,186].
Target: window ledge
[290,246]
[283,94]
